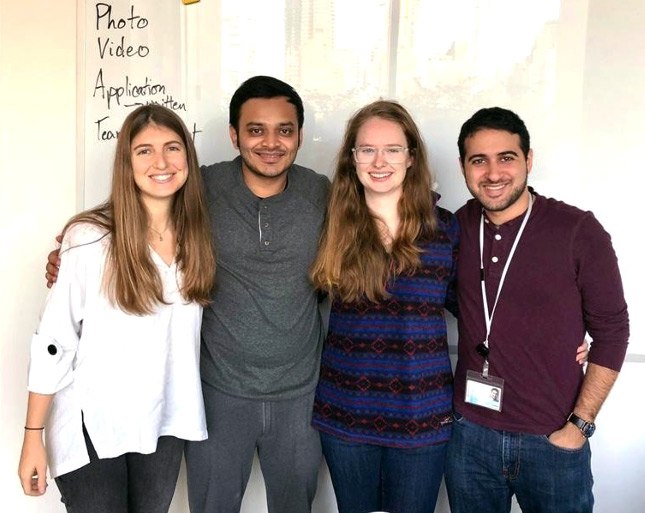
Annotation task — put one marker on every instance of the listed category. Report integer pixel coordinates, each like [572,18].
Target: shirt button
[51,349]
[495,259]
[266,225]
[498,236]
[266,242]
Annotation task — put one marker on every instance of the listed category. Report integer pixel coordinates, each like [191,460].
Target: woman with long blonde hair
[388,260]
[114,372]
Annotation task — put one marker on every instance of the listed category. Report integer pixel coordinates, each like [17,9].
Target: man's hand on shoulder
[53,263]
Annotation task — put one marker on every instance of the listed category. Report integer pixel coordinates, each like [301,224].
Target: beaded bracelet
[34,429]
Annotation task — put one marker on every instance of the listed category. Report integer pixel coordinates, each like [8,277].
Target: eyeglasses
[391,154]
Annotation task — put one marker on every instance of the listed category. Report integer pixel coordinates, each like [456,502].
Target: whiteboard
[132,54]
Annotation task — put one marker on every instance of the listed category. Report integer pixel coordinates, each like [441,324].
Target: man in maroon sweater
[535,275]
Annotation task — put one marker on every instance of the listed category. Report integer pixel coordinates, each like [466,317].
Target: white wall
[38,191]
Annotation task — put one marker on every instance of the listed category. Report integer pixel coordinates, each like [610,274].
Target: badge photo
[485,392]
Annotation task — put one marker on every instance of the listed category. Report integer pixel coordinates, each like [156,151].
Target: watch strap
[587,428]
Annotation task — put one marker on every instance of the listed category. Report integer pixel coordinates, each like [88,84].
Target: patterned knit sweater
[385,375]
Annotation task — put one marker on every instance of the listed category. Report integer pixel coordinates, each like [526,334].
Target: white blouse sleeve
[54,345]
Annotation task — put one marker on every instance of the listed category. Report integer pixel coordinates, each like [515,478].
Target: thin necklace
[160,233]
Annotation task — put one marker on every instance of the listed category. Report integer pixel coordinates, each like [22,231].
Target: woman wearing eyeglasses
[388,260]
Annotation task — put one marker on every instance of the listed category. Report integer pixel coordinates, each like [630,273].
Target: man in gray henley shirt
[262,333]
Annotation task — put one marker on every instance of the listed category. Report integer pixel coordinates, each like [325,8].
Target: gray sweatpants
[288,449]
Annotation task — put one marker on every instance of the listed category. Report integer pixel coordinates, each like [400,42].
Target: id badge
[485,392]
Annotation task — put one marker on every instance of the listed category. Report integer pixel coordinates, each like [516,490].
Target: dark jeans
[131,483]
[486,467]
[370,477]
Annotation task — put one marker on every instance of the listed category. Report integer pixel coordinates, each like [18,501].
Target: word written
[106,134]
[119,49]
[113,93]
[104,19]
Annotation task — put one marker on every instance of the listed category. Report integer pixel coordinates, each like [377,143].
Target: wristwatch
[587,428]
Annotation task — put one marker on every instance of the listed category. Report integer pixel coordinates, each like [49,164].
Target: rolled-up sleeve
[50,366]
[54,345]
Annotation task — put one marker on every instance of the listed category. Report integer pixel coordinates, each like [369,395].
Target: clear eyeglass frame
[391,154]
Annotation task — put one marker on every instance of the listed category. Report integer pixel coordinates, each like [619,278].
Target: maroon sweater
[563,281]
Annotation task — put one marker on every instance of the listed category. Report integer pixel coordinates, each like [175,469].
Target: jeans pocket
[545,438]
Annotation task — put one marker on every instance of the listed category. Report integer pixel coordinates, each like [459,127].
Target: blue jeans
[486,467]
[370,477]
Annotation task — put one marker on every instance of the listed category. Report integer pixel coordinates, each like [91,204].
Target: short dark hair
[262,86]
[495,118]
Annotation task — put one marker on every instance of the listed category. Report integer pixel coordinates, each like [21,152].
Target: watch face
[589,429]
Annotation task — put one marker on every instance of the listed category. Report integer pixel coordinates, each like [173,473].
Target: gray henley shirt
[262,333]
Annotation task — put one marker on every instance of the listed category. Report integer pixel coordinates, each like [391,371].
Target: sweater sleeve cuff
[610,356]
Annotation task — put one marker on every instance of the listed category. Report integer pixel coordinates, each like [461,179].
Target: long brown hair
[352,260]
[131,280]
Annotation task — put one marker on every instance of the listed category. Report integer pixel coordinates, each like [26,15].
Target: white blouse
[133,378]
